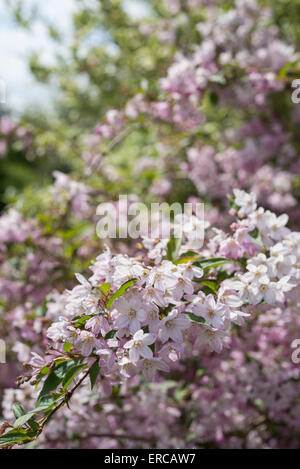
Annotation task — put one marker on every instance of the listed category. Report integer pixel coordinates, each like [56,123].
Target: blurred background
[66,62]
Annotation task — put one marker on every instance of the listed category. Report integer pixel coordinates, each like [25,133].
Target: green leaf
[56,377]
[70,375]
[23,419]
[44,404]
[222,275]
[67,347]
[209,284]
[44,371]
[214,98]
[214,259]
[33,425]
[207,264]
[14,436]
[82,320]
[285,69]
[94,372]
[18,410]
[50,384]
[232,203]
[104,288]
[193,318]
[121,291]
[187,257]
[111,334]
[254,233]
[173,247]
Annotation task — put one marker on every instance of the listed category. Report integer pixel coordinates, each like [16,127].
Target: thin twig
[118,139]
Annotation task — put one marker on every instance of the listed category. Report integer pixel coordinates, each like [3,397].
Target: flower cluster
[136,316]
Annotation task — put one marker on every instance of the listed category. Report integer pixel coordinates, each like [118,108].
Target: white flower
[82,290]
[292,243]
[214,313]
[77,297]
[258,218]
[184,286]
[106,358]
[62,331]
[246,202]
[132,311]
[138,346]
[102,268]
[260,259]
[126,269]
[97,324]
[272,228]
[157,248]
[91,304]
[263,260]
[150,366]
[282,265]
[256,274]
[193,230]
[171,326]
[86,342]
[284,286]
[212,338]
[238,317]
[241,286]
[171,351]
[127,368]
[151,295]
[266,290]
[56,331]
[276,225]
[279,250]
[190,271]
[163,277]
[152,319]
[36,360]
[229,297]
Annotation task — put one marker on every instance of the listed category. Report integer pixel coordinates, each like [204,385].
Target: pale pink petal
[146,352]
[148,339]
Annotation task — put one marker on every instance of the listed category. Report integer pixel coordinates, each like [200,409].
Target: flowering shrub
[178,342]
[135,315]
